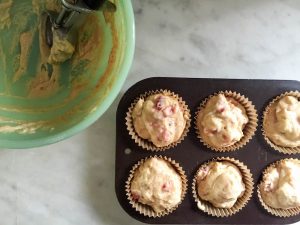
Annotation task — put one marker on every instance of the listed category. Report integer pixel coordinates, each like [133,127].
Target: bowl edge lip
[91,118]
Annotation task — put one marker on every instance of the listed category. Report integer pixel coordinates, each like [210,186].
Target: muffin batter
[280,187]
[222,121]
[156,183]
[220,183]
[282,123]
[159,119]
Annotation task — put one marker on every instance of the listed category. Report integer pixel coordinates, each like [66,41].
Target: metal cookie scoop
[71,9]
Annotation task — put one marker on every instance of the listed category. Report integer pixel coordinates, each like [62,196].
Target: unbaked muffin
[159,119]
[282,122]
[221,121]
[157,184]
[280,186]
[220,183]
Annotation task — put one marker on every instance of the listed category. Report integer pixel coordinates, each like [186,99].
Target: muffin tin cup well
[257,154]
[145,144]
[241,202]
[273,211]
[147,210]
[249,129]
[285,150]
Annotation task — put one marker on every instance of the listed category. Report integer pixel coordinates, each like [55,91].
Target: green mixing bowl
[42,104]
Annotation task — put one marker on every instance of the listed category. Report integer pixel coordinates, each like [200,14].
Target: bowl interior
[42,103]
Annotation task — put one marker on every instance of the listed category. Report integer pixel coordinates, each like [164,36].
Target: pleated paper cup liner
[248,131]
[146,144]
[145,209]
[241,202]
[276,212]
[268,110]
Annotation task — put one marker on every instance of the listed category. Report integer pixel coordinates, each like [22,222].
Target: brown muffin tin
[190,153]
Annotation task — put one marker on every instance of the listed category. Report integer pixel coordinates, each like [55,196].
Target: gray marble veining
[72,182]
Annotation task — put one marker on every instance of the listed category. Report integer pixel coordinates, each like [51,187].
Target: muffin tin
[190,153]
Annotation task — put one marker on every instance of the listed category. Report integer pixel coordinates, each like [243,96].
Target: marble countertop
[72,182]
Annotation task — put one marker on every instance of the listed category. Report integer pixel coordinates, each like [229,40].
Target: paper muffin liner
[249,129]
[241,202]
[273,211]
[145,209]
[282,149]
[146,144]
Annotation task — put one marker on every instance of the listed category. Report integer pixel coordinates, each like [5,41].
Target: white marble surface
[72,182]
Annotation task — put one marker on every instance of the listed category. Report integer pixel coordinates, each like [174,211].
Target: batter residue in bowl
[4,12]
[36,94]
[37,66]
[26,39]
